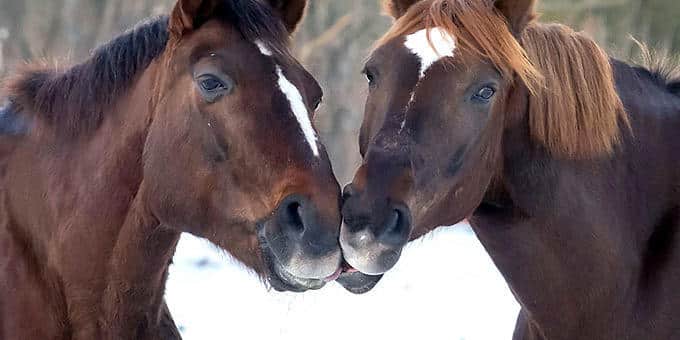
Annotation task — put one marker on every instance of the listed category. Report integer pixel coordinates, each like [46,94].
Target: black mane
[75,99]
[665,76]
[660,66]
[256,20]
[674,86]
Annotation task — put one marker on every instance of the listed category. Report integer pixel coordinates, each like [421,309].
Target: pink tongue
[347,268]
[335,275]
[350,270]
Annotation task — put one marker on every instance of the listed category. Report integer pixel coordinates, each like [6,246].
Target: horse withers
[199,122]
[564,160]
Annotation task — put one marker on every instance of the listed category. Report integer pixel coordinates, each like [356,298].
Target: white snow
[444,287]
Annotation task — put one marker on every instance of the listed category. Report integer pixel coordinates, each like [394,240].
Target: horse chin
[357,282]
[283,281]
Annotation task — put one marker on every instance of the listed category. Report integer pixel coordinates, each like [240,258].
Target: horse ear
[518,13]
[190,14]
[397,8]
[290,11]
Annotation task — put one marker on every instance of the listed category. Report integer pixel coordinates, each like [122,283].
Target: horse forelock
[476,27]
[575,111]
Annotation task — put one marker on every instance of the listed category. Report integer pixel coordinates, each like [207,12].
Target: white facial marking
[439,45]
[429,48]
[263,48]
[297,104]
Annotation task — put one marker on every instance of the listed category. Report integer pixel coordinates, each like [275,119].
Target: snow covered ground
[444,287]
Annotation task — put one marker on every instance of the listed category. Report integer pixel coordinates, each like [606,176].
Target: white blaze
[297,103]
[429,48]
[263,48]
[440,45]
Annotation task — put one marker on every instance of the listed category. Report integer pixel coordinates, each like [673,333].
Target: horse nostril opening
[392,223]
[397,227]
[293,217]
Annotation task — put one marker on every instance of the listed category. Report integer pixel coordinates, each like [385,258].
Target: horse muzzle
[373,234]
[300,246]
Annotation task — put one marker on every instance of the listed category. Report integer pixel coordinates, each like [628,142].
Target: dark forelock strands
[257,21]
[74,100]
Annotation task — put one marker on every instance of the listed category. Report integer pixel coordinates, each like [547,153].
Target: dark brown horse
[198,122]
[565,161]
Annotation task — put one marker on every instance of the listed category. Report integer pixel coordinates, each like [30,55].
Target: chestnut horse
[564,160]
[198,122]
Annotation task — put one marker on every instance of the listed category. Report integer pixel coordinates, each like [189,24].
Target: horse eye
[211,84]
[317,103]
[370,76]
[485,93]
[213,87]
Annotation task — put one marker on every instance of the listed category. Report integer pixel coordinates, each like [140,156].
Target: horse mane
[674,87]
[74,100]
[575,111]
[660,66]
[578,113]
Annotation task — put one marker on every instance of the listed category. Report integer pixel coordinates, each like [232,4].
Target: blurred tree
[613,22]
[333,42]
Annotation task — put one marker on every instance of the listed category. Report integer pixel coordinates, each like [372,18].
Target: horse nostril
[397,227]
[291,217]
[392,223]
[347,193]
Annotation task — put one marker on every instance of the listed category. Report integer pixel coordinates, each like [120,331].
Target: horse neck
[128,253]
[574,237]
[143,248]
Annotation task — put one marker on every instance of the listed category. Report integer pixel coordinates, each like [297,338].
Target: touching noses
[304,238]
[377,222]
[374,232]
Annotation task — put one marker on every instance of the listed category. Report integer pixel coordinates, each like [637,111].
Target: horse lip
[335,275]
[277,275]
[282,280]
[358,282]
[299,284]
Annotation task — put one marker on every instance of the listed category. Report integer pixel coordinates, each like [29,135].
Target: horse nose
[396,227]
[306,240]
[348,192]
[373,233]
[300,220]
[290,216]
